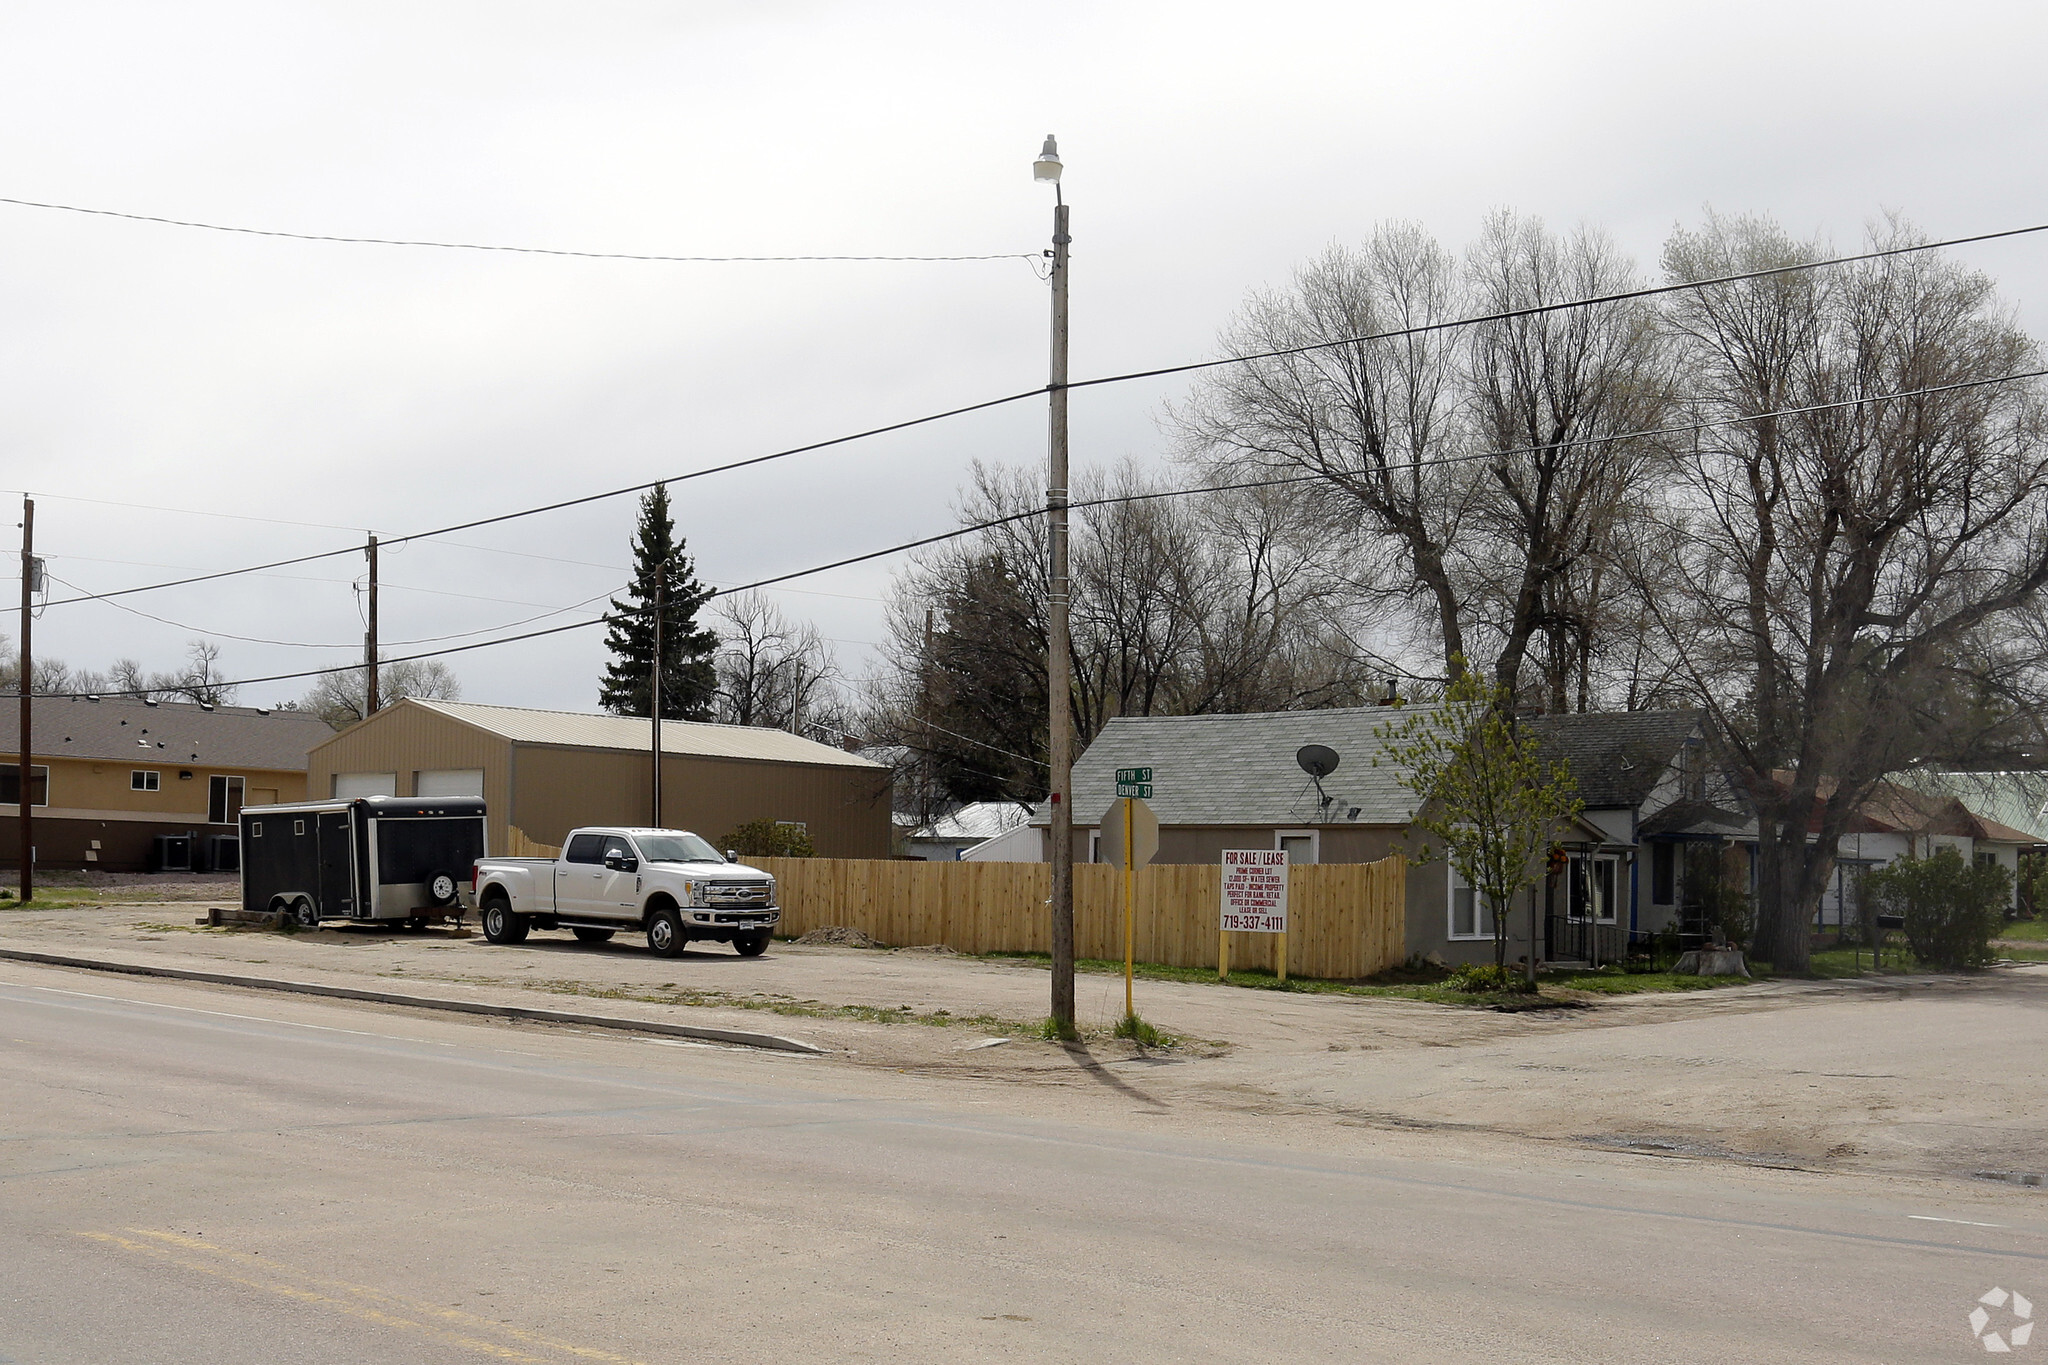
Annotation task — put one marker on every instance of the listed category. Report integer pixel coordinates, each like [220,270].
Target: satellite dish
[1317,760]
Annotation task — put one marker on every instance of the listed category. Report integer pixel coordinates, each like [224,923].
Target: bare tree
[1374,419]
[341,699]
[1549,393]
[773,672]
[1855,590]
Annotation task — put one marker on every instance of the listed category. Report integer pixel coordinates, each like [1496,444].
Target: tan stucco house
[110,776]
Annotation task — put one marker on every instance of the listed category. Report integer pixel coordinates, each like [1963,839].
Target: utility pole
[371,701]
[654,684]
[24,685]
[1059,684]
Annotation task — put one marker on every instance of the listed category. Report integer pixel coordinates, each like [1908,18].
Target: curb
[769,1041]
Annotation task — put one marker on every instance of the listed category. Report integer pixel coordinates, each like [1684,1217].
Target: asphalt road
[206,1175]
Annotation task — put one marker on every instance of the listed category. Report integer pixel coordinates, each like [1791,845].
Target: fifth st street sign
[1134,782]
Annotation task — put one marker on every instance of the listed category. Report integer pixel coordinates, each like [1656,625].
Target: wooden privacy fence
[1345,920]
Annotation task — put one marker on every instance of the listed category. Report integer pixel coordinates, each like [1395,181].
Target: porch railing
[1569,940]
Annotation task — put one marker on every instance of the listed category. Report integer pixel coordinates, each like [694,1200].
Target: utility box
[171,853]
[363,858]
[223,853]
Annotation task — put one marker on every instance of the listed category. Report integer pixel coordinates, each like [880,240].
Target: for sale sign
[1254,891]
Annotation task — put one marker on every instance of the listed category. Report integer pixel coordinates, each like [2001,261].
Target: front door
[337,864]
[617,892]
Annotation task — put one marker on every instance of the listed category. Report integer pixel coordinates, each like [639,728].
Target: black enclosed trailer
[367,858]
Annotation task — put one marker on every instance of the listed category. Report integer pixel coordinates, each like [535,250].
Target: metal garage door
[350,785]
[450,782]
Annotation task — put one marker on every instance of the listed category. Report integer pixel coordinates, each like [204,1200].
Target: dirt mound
[842,936]
[938,948]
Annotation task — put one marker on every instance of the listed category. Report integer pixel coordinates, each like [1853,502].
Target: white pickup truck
[667,882]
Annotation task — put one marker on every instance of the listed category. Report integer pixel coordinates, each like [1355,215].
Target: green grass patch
[2025,931]
[1141,1033]
[1428,984]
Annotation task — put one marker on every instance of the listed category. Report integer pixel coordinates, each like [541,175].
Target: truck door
[337,864]
[580,876]
[618,893]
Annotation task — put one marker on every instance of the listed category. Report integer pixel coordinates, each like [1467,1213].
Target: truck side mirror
[620,861]
[732,855]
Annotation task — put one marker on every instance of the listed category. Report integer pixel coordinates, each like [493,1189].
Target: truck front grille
[737,893]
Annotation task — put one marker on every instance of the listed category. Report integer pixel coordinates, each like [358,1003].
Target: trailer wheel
[751,945]
[589,935]
[305,914]
[665,935]
[501,925]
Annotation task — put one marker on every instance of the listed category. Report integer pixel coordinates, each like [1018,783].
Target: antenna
[1318,761]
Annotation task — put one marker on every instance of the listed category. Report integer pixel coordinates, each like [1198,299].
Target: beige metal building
[543,773]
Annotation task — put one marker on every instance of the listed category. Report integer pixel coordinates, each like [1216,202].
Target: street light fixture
[1059,686]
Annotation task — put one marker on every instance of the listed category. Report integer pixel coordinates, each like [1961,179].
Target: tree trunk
[1781,910]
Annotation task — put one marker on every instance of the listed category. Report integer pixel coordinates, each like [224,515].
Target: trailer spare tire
[441,888]
[500,924]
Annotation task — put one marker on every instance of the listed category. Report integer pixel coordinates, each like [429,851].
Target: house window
[1300,846]
[223,799]
[38,785]
[145,780]
[1094,845]
[1471,916]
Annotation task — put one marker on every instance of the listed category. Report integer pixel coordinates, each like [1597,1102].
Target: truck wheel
[751,945]
[501,925]
[590,935]
[665,935]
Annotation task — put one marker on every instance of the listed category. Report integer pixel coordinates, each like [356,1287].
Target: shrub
[1951,908]
[1482,978]
[770,839]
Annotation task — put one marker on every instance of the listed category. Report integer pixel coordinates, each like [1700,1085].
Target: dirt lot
[1928,1075]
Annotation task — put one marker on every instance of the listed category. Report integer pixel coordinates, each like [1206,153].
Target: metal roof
[128,730]
[582,730]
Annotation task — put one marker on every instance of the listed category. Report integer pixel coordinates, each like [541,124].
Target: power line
[484,246]
[1532,310]
[1195,491]
[565,503]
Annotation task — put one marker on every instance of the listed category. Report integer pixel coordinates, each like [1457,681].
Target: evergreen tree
[689,678]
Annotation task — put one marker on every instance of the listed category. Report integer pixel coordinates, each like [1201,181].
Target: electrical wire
[483,246]
[1532,310]
[1198,490]
[394,644]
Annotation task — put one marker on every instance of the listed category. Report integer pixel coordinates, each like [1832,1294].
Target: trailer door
[337,864]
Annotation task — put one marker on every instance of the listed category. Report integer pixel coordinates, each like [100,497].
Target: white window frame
[1619,888]
[1314,837]
[1453,884]
[1094,845]
[154,782]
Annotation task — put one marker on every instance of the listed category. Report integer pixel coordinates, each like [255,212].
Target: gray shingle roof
[1615,757]
[1240,770]
[125,730]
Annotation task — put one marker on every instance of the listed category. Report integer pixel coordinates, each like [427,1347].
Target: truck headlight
[696,895]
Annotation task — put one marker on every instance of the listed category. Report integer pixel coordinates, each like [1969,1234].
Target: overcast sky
[316,391]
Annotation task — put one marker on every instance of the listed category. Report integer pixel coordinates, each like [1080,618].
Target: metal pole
[1130,871]
[24,686]
[371,696]
[1059,703]
[654,685]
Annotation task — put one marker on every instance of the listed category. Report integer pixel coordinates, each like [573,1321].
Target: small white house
[956,836]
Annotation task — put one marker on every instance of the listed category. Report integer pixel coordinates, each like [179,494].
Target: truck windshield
[676,848]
